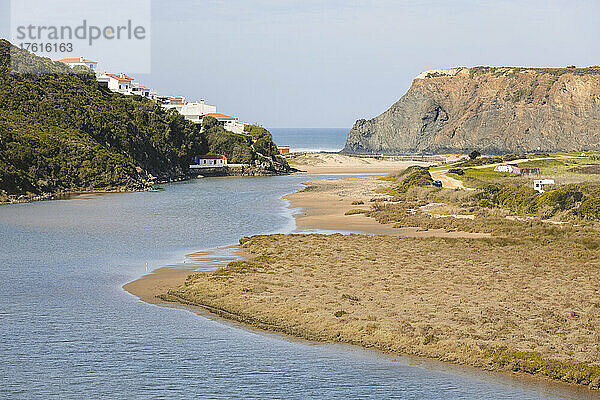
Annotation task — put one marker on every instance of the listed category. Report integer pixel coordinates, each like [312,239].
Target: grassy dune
[507,304]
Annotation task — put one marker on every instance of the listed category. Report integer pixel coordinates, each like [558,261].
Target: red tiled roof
[217,116]
[212,157]
[119,78]
[77,60]
[141,87]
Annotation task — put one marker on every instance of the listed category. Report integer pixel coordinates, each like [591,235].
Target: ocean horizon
[311,139]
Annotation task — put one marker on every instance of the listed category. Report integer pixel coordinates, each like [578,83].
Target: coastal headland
[465,285]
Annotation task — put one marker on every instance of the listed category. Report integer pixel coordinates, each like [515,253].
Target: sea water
[310,139]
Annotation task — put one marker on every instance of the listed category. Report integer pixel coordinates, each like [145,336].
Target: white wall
[210,163]
[193,111]
[234,126]
[113,85]
[85,64]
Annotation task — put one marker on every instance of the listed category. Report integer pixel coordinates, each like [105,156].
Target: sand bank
[326,163]
[324,203]
[159,281]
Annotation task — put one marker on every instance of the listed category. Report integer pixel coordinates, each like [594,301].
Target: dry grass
[498,303]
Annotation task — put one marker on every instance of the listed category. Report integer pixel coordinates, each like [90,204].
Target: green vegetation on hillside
[60,131]
[254,146]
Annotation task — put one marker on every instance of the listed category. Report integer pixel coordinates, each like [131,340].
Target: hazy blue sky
[316,63]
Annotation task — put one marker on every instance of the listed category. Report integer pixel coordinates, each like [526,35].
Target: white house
[171,102]
[71,62]
[117,83]
[230,123]
[143,91]
[193,111]
[209,161]
[508,168]
[234,126]
[539,184]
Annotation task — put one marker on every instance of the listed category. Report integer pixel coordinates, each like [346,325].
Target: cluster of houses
[125,84]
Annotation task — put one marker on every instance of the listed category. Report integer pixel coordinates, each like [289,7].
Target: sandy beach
[324,203]
[338,164]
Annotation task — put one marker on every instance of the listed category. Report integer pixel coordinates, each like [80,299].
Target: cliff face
[493,110]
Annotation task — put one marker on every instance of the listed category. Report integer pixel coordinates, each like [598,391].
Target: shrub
[356,211]
[590,208]
[457,171]
[413,176]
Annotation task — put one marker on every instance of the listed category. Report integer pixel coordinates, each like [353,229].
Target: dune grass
[502,303]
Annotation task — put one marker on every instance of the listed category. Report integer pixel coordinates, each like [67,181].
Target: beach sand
[327,163]
[159,281]
[323,205]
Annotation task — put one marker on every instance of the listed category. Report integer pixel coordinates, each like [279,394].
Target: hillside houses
[230,123]
[125,84]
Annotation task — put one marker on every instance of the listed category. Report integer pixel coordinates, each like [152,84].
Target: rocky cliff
[493,110]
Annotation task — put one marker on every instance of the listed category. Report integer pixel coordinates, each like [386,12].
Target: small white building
[117,83]
[171,102]
[71,62]
[508,168]
[143,91]
[230,123]
[540,184]
[235,126]
[209,161]
[193,111]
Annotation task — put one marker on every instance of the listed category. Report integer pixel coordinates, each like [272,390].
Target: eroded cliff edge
[493,110]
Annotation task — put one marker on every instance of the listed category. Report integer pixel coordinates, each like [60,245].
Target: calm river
[69,330]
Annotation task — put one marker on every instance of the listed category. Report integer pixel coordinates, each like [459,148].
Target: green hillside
[60,131]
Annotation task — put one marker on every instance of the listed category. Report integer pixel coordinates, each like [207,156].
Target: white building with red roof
[209,161]
[71,62]
[143,91]
[120,83]
[230,123]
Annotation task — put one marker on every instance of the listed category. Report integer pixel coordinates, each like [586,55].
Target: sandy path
[448,182]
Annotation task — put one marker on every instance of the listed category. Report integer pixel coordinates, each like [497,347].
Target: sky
[316,63]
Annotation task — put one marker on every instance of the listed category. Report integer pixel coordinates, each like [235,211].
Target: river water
[69,330]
